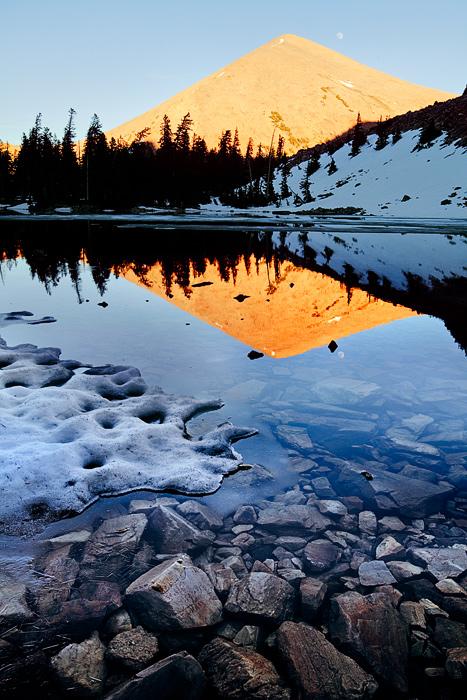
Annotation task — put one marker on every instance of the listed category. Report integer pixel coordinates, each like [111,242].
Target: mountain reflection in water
[279,293]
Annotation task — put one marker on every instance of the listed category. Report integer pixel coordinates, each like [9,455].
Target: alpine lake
[342,341]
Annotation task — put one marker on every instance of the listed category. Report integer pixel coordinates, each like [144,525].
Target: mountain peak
[290,86]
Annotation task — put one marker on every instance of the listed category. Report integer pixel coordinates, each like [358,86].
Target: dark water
[411,366]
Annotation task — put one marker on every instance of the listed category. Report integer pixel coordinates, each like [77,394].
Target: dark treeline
[179,172]
[114,250]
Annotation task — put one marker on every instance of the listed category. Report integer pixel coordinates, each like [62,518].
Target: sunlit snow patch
[69,434]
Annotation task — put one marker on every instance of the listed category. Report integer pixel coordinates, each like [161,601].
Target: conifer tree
[332,167]
[166,138]
[359,137]
[6,172]
[96,163]
[284,187]
[182,134]
[225,145]
[429,133]
[69,167]
[396,135]
[382,133]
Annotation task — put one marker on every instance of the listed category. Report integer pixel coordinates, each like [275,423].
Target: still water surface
[174,310]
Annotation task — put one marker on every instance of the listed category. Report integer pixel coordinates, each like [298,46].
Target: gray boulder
[172,533]
[456,663]
[449,634]
[261,598]
[174,595]
[80,669]
[320,556]
[294,520]
[442,562]
[375,573]
[317,669]
[222,577]
[389,549]
[312,595]
[294,438]
[200,515]
[13,605]
[108,551]
[238,673]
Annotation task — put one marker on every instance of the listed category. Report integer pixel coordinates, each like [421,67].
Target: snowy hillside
[431,182]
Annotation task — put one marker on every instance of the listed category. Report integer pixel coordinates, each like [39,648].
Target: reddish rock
[317,669]
[371,631]
[238,673]
[312,594]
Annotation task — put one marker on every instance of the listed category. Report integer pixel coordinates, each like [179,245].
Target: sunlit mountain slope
[308,92]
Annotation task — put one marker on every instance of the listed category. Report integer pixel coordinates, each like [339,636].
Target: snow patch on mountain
[397,180]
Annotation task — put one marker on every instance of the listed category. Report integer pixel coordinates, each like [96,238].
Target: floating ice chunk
[68,437]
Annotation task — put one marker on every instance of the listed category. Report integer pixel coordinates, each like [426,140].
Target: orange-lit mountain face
[282,314]
[304,91]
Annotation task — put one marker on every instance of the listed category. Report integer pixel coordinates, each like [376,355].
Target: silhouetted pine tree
[69,166]
[383,136]
[313,164]
[396,135]
[332,167]
[359,137]
[6,173]
[429,133]
[305,187]
[96,164]
[285,192]
[182,134]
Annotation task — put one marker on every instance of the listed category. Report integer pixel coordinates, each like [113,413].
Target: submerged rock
[442,562]
[14,609]
[172,533]
[292,519]
[388,491]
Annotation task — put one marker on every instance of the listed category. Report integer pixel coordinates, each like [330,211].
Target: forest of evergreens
[180,171]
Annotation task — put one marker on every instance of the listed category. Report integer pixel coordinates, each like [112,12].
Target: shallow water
[180,324]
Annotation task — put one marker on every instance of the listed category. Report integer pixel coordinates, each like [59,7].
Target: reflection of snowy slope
[393,256]
[431,182]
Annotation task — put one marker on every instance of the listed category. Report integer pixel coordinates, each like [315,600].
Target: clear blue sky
[120,59]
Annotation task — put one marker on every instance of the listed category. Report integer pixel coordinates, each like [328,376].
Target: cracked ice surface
[70,433]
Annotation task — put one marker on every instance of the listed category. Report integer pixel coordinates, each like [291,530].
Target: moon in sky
[340,35]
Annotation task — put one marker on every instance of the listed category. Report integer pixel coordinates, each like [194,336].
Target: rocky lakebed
[348,582]
[305,595]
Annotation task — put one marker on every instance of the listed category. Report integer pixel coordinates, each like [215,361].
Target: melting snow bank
[69,435]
